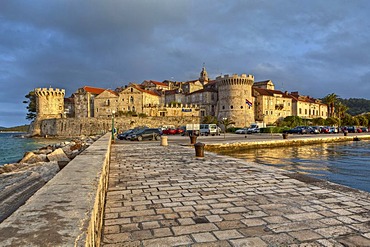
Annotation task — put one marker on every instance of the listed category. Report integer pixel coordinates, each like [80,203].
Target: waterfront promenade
[165,196]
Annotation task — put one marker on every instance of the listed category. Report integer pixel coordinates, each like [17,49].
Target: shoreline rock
[19,181]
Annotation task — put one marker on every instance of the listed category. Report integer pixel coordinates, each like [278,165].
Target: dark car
[123,136]
[146,134]
[296,130]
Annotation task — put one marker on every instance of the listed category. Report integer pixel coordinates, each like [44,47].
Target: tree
[226,122]
[331,100]
[292,121]
[209,120]
[31,107]
[318,121]
[341,110]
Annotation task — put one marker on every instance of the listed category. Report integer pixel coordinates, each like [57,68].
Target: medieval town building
[235,97]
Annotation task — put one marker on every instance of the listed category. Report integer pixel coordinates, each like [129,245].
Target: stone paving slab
[165,196]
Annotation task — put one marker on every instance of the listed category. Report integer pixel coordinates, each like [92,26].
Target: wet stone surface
[165,196]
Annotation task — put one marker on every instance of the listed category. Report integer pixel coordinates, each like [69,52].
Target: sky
[314,47]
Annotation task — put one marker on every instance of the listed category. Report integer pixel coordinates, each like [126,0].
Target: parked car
[313,130]
[147,134]
[241,131]
[324,130]
[123,136]
[181,130]
[296,130]
[254,128]
[171,131]
[351,129]
[333,130]
[364,129]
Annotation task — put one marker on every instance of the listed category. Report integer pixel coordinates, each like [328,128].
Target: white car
[242,131]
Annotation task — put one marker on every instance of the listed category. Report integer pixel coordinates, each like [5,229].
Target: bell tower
[203,76]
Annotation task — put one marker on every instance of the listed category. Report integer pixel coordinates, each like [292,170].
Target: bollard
[345,133]
[193,139]
[164,141]
[199,149]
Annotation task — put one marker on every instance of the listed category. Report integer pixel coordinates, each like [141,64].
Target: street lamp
[113,112]
[224,122]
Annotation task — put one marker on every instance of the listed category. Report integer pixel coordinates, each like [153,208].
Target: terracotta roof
[112,92]
[308,99]
[145,91]
[168,92]
[269,92]
[94,90]
[159,83]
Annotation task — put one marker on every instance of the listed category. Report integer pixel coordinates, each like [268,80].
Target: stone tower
[203,76]
[49,104]
[234,92]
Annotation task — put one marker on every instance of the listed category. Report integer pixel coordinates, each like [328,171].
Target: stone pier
[165,196]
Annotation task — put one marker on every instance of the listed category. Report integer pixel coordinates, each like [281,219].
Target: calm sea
[13,147]
[342,163]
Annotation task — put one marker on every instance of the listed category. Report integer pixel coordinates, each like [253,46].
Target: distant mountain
[356,106]
[22,128]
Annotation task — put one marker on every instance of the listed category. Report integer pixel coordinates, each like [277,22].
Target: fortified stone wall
[69,127]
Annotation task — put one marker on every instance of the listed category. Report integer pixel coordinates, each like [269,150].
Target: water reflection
[345,163]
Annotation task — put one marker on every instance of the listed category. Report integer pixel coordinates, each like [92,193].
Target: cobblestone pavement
[165,196]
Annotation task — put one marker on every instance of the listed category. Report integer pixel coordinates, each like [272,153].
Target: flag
[248,102]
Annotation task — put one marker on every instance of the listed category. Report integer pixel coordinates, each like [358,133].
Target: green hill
[356,106]
[22,128]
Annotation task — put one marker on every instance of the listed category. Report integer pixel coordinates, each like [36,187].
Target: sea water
[13,146]
[345,163]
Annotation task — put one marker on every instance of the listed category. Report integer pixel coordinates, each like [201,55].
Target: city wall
[68,127]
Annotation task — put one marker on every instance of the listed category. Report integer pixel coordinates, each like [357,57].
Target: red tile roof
[269,92]
[145,91]
[159,83]
[94,90]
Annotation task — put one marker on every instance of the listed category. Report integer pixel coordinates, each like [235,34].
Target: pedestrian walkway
[165,196]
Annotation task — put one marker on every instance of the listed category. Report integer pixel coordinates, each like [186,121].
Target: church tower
[203,76]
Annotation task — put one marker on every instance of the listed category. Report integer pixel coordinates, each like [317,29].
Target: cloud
[315,47]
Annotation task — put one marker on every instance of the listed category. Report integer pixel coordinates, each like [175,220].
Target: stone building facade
[307,107]
[84,101]
[271,105]
[106,103]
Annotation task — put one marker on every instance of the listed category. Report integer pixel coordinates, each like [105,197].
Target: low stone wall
[67,127]
[231,147]
[68,210]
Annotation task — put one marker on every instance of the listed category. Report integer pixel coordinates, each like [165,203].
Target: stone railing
[68,210]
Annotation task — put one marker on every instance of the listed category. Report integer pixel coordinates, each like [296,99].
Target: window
[132,90]
[223,107]
[300,110]
[305,111]
[131,99]
[241,107]
[231,107]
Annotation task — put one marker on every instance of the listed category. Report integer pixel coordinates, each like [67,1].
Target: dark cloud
[314,47]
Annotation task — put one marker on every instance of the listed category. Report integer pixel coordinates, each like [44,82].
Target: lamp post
[113,112]
[224,122]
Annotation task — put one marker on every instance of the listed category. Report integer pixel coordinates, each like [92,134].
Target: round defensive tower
[235,99]
[49,103]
